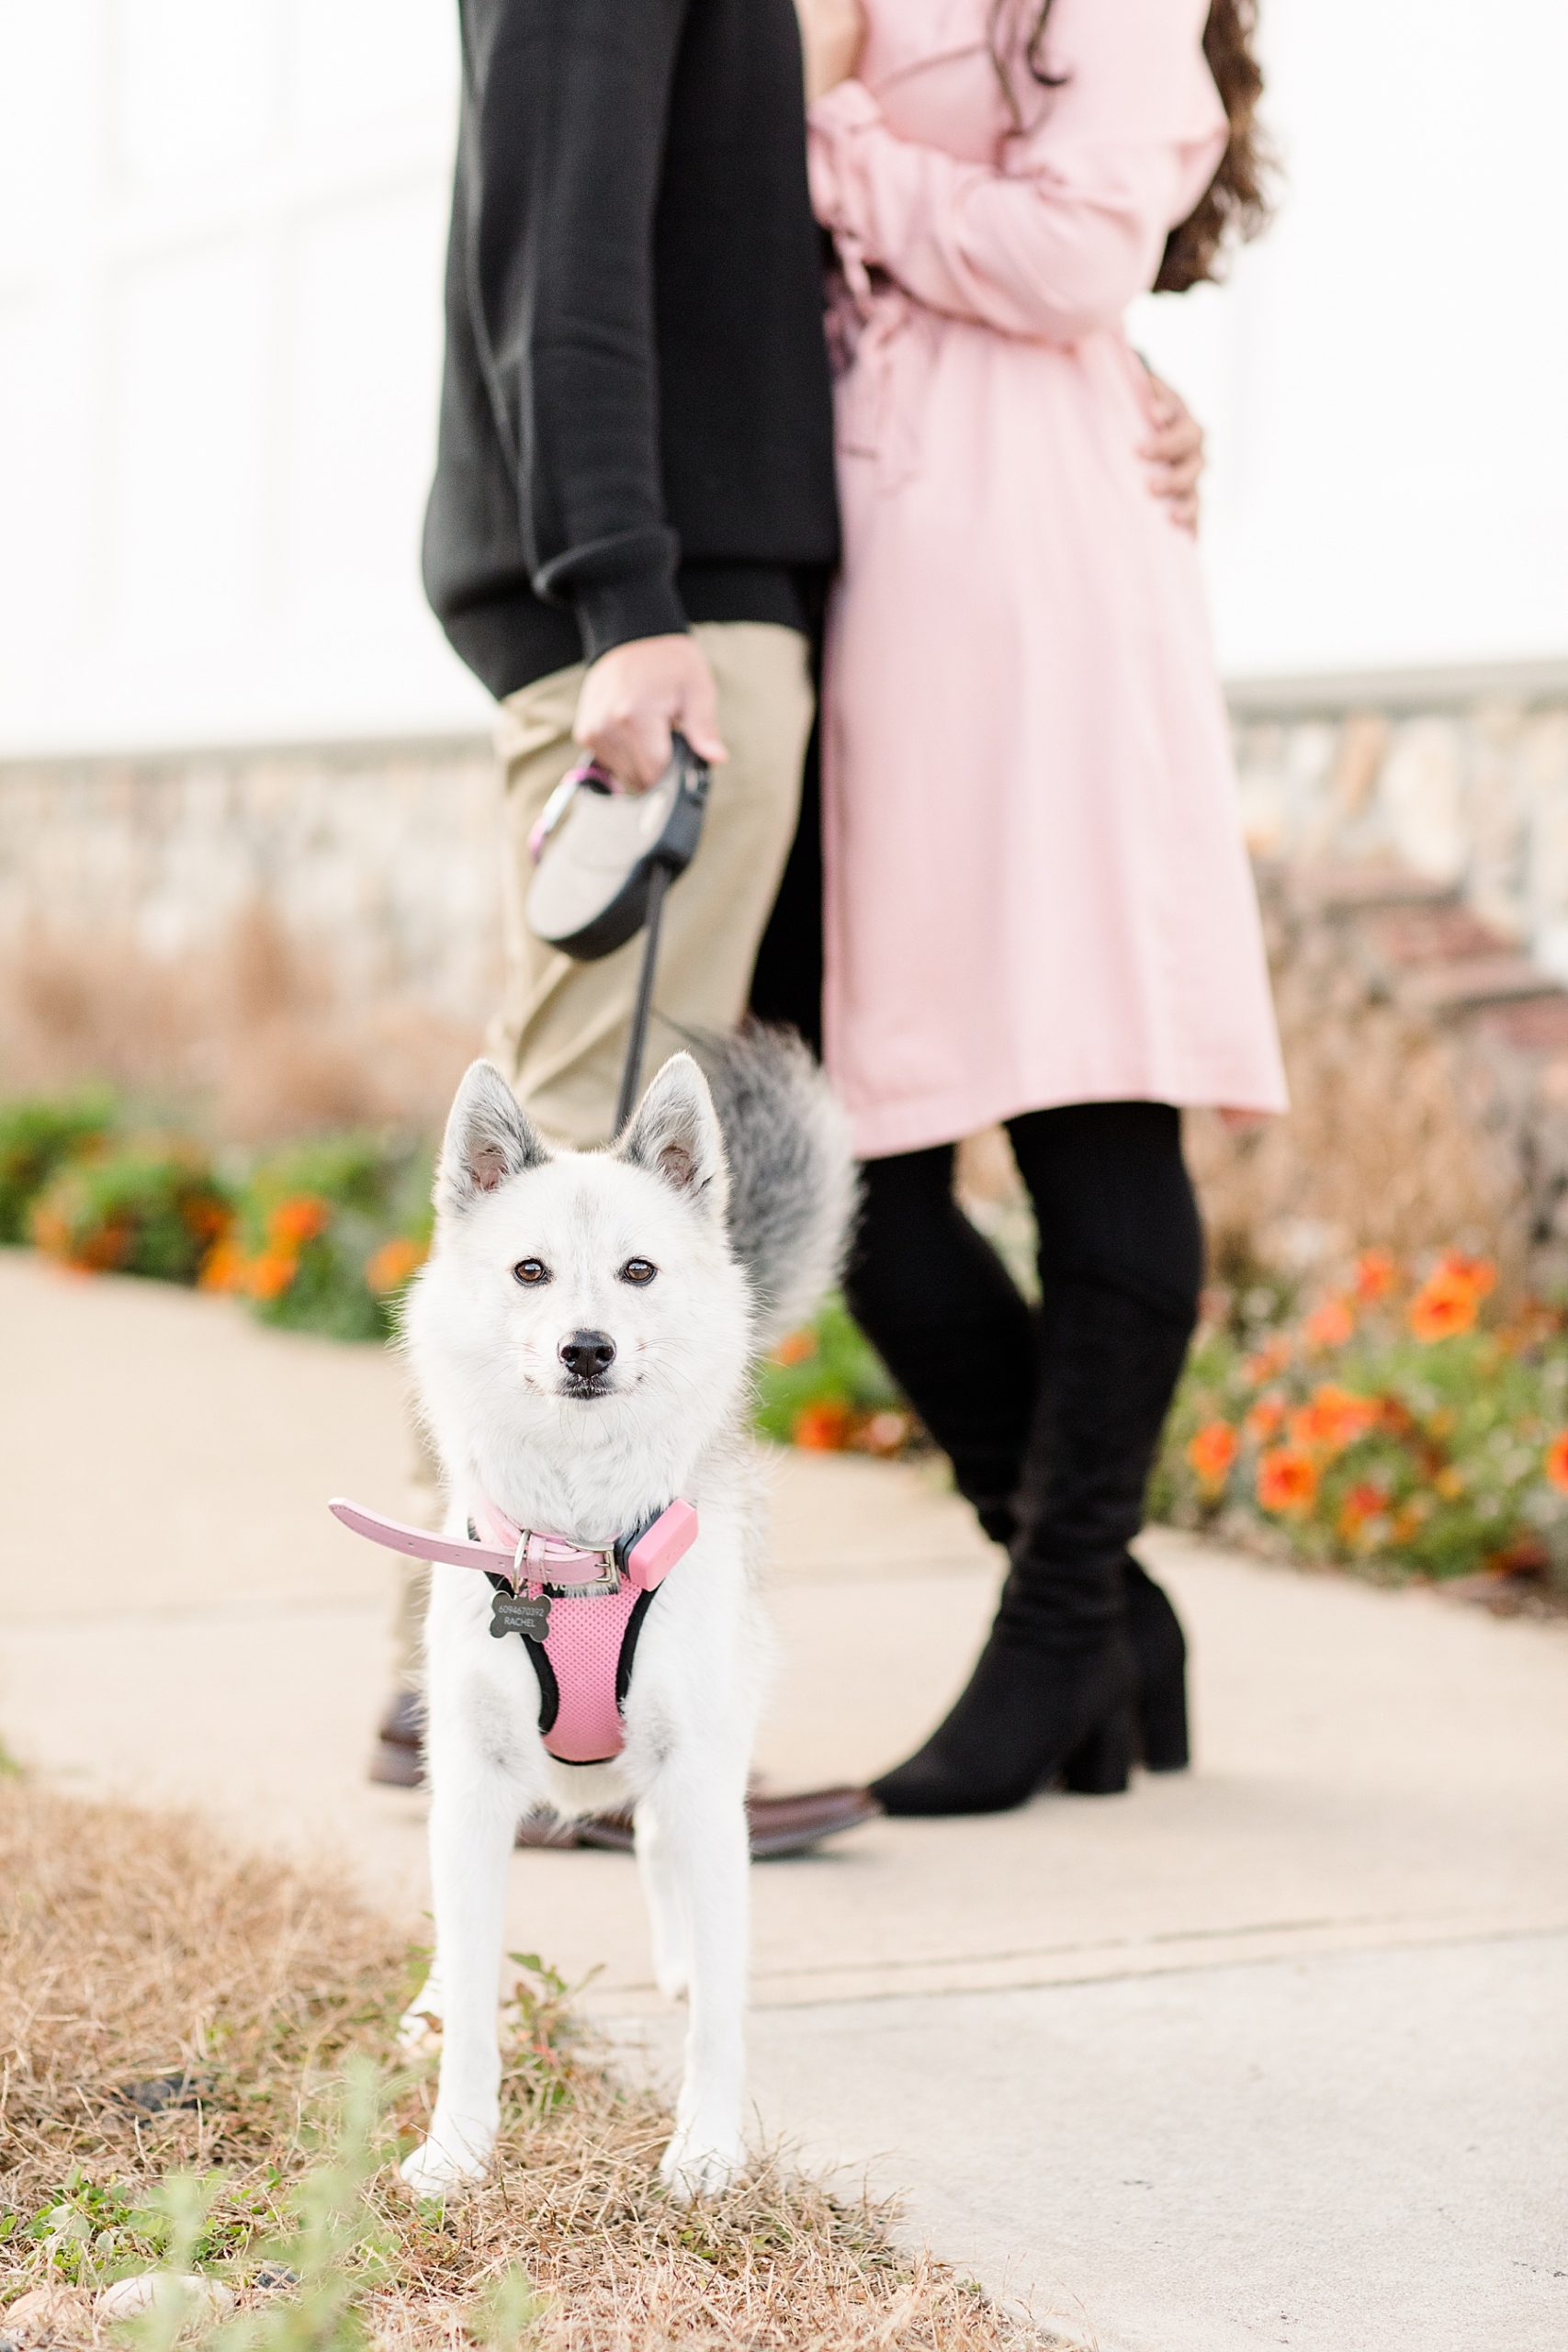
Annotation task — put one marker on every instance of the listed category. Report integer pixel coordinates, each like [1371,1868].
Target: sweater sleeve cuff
[849,106]
[613,612]
[620,589]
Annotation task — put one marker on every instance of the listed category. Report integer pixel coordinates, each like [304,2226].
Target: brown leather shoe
[399,1758]
[780,1825]
[793,1825]
[786,1825]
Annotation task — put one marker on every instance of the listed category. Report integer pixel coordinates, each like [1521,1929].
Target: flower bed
[827,1389]
[1399,1421]
[321,1238]
[37,1137]
[326,1237]
[1397,1424]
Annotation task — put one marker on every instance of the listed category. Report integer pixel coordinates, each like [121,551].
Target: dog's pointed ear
[675,1135]
[489,1138]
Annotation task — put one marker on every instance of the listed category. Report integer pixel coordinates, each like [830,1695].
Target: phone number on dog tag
[513,1612]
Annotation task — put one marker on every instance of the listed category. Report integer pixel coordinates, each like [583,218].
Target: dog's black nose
[586,1354]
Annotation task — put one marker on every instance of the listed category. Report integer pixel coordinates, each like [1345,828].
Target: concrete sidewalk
[1272,2054]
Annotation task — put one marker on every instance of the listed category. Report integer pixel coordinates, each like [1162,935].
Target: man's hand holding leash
[635,696]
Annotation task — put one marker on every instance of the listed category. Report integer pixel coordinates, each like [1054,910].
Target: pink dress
[1036,887]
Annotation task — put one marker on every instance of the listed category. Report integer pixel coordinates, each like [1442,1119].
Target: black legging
[1117,1219]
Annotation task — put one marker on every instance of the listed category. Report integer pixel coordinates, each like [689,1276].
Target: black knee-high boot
[1056,1690]
[948,1321]
[939,1305]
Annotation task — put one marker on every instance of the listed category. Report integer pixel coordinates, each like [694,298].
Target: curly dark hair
[1235,206]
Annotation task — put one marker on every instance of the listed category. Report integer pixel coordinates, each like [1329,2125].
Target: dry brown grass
[248,1035]
[133,1945]
[1381,1147]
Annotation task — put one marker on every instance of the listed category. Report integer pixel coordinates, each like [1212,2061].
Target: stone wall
[1413,855]
[310,936]
[1472,796]
[299,936]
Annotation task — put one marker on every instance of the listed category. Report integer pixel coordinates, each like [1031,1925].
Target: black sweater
[635,422]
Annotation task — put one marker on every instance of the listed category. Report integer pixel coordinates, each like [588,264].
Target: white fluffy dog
[581,1342]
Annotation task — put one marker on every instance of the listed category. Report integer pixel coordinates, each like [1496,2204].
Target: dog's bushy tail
[793,1187]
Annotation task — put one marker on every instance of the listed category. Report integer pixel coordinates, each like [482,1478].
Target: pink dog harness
[578,1610]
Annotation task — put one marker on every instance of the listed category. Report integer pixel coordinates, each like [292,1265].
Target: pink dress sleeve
[1058,238]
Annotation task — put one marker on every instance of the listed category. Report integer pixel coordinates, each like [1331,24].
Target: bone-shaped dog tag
[514,1612]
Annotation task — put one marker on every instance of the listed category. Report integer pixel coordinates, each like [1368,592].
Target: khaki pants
[562,1031]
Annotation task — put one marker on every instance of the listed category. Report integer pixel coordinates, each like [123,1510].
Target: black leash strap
[659,883]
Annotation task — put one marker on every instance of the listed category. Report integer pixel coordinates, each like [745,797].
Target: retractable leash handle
[604,860]
[597,846]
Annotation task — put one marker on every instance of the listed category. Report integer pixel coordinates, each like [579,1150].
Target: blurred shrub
[321,1236]
[35,1137]
[327,1234]
[825,1388]
[1397,1421]
[150,1205]
[1391,1423]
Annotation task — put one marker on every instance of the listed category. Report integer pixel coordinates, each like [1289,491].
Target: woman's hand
[1243,1122]
[1174,450]
[832,34]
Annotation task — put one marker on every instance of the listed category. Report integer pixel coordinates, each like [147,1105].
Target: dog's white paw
[454,2160]
[698,2164]
[671,1975]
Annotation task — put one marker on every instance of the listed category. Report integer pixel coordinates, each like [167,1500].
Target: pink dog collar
[578,1609]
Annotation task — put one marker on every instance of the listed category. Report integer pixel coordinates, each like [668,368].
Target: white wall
[221,227]
[221,234]
[1386,377]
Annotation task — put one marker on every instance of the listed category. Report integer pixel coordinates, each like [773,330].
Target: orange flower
[1363,1503]
[97,1251]
[223,1268]
[1450,1483]
[1445,1304]
[202,1214]
[823,1427]
[101,1253]
[1376,1275]
[1273,1357]
[1330,1325]
[1556,1462]
[294,1222]
[270,1276]
[1480,1274]
[388,1268]
[796,1347]
[1265,1419]
[51,1232]
[1211,1451]
[1287,1481]
[1334,1419]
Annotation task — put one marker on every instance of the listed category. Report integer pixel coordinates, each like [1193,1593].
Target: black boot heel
[1099,1768]
[1155,1631]
[1162,1723]
[1016,1728]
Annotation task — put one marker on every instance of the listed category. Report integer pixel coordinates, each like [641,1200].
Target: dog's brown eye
[530,1271]
[637,1270]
